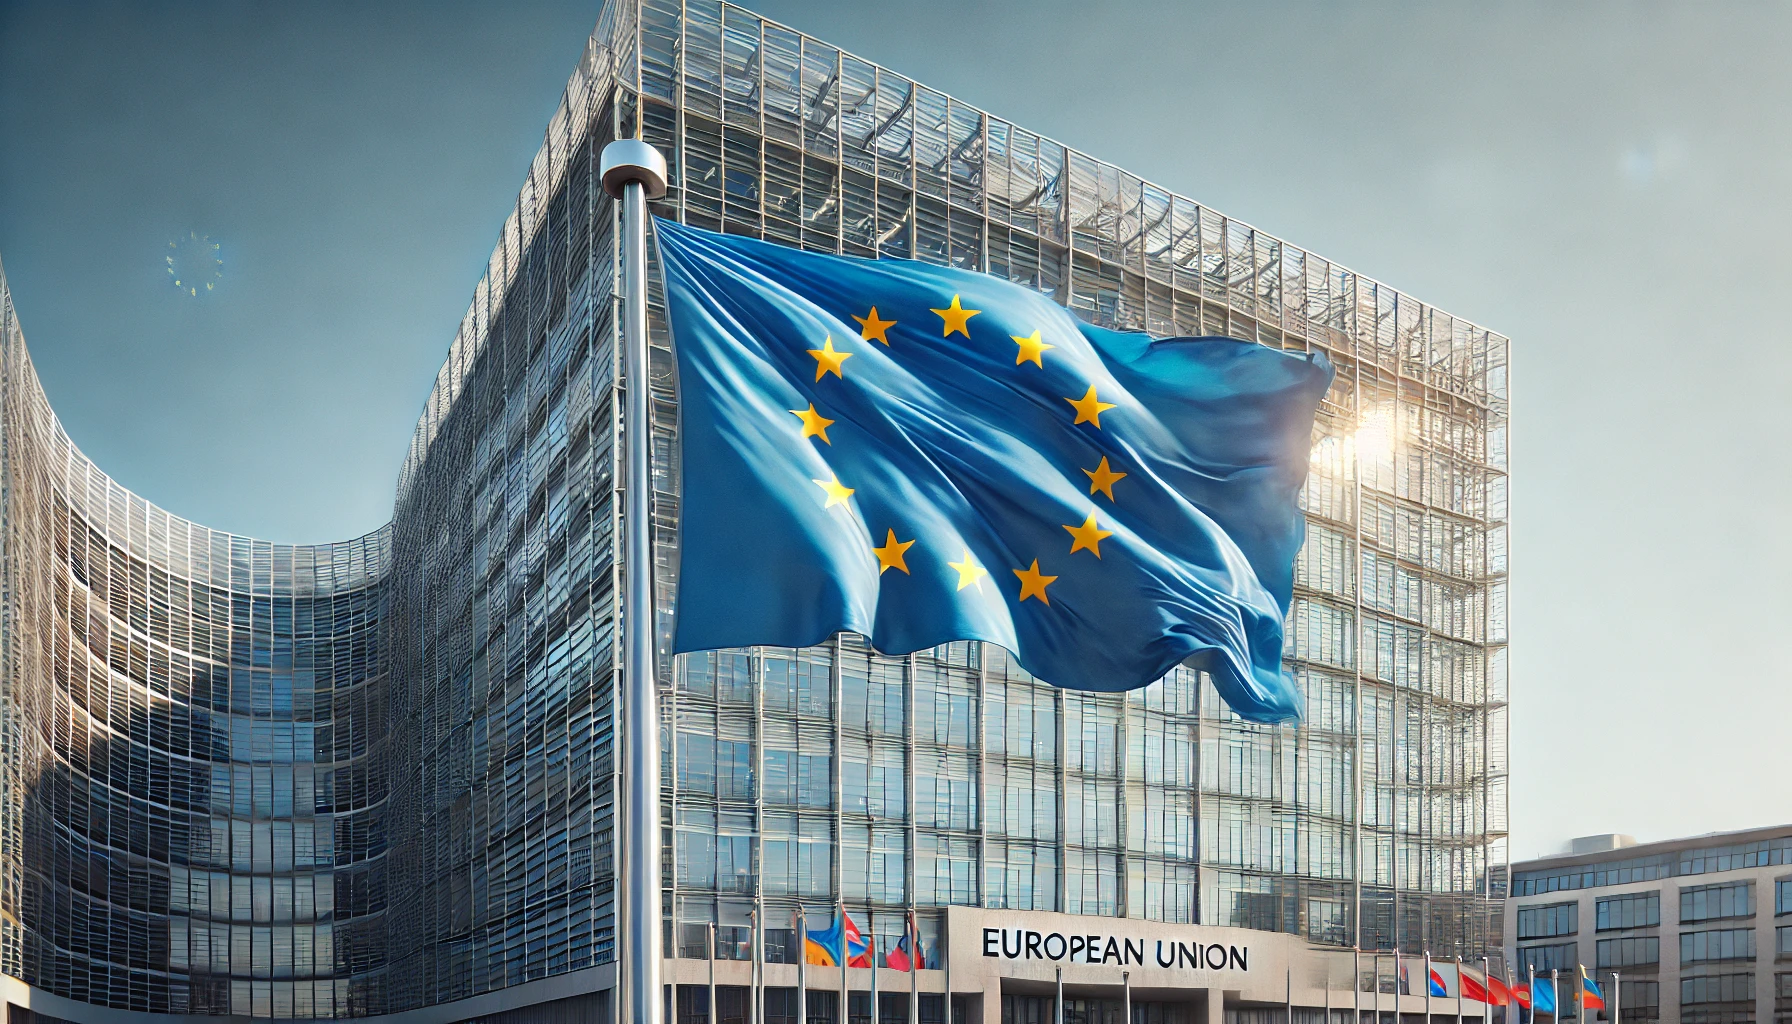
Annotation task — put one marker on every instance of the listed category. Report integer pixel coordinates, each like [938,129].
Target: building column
[990,1006]
[1216,1007]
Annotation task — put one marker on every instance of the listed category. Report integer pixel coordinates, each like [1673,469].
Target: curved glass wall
[195,746]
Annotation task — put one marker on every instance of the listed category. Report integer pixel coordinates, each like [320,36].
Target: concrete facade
[1710,908]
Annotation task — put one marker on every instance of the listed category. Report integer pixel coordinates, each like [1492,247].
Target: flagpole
[1399,977]
[1555,995]
[1356,986]
[1617,997]
[1427,984]
[946,967]
[1289,1006]
[802,965]
[753,972]
[635,172]
[1058,1000]
[1459,989]
[1377,1000]
[1125,997]
[914,971]
[715,1016]
[845,958]
[1530,987]
[871,947]
[1487,991]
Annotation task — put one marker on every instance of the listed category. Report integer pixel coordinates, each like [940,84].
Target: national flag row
[1537,994]
[841,942]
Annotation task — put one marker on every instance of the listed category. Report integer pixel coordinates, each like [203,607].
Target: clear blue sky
[1606,184]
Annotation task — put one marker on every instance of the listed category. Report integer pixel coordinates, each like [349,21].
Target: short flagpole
[845,958]
[1487,991]
[1125,997]
[1058,1000]
[753,972]
[1555,993]
[1356,985]
[1617,996]
[635,172]
[1458,989]
[715,1015]
[871,945]
[802,965]
[1376,1001]
[914,971]
[1290,991]
[1427,984]
[1530,987]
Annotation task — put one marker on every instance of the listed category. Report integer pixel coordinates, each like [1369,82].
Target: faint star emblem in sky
[194,264]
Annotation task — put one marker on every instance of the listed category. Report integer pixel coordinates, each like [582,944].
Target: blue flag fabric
[922,454]
[1543,996]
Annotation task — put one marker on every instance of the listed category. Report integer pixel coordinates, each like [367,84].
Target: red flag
[898,957]
[1473,986]
[1483,987]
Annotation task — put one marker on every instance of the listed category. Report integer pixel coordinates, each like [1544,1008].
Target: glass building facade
[354,779]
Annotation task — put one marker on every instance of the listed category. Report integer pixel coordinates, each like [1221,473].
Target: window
[1632,910]
[1630,952]
[1639,1000]
[1782,986]
[1783,935]
[1722,944]
[1709,902]
[1560,957]
[1548,921]
[1782,896]
[1717,988]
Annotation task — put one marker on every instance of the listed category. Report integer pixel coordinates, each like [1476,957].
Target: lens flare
[194,264]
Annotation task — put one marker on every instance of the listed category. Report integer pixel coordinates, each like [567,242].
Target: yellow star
[955,317]
[814,423]
[890,555]
[829,361]
[1088,536]
[837,494]
[1102,479]
[870,327]
[1088,408]
[1031,348]
[1033,582]
[969,572]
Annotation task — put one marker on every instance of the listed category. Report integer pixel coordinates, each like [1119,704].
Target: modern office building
[379,777]
[1699,930]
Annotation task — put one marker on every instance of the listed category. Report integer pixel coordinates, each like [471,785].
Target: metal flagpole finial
[626,160]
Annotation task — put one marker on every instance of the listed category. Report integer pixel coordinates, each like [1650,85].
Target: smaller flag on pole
[1483,988]
[824,948]
[858,946]
[1591,997]
[1543,995]
[899,958]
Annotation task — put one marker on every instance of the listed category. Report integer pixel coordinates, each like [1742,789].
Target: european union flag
[922,454]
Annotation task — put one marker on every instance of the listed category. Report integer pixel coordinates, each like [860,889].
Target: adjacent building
[1698,930]
[378,777]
